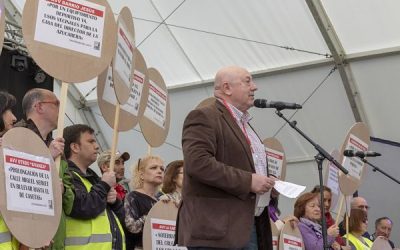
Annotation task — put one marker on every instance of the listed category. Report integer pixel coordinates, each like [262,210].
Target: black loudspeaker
[18,74]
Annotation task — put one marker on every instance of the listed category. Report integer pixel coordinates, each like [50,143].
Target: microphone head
[372,153]
[260,103]
[263,103]
[298,106]
[361,154]
[348,153]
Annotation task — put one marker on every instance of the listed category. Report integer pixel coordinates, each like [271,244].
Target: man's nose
[254,87]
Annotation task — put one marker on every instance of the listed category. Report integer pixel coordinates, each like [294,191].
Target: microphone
[361,154]
[262,103]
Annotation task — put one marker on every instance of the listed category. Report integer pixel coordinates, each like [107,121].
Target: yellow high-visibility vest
[7,242]
[93,234]
[357,243]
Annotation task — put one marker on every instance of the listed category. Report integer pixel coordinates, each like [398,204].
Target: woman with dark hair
[307,210]
[327,206]
[327,203]
[358,225]
[7,102]
[173,181]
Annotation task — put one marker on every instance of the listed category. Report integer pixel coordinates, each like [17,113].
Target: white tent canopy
[339,59]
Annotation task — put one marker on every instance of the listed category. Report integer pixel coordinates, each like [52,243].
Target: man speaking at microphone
[225,171]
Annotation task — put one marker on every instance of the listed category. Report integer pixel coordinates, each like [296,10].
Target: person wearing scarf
[328,216]
[307,210]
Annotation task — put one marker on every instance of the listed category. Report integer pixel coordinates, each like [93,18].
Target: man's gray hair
[30,98]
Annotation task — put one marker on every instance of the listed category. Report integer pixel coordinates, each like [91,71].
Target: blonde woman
[147,175]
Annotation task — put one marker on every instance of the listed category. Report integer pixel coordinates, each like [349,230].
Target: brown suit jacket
[217,209]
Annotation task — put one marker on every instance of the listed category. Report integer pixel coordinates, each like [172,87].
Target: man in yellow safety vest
[94,222]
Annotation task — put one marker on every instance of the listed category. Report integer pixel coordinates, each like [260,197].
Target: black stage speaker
[18,74]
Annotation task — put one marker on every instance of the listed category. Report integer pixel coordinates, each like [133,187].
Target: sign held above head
[133,109]
[123,63]
[156,119]
[356,139]
[73,41]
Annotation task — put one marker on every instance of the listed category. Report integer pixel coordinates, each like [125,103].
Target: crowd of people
[98,212]
[218,188]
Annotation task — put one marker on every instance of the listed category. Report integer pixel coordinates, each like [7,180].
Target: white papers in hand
[288,189]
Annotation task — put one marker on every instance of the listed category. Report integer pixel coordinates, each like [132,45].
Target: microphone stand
[319,158]
[375,168]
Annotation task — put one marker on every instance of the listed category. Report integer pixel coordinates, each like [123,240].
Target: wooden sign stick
[340,208]
[148,149]
[61,116]
[115,137]
[347,229]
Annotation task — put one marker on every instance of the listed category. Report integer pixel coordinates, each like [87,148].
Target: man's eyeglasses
[56,102]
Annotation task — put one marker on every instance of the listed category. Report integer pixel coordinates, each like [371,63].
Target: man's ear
[38,108]
[226,88]
[74,147]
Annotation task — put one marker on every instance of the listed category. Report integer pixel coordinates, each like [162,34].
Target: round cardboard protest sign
[133,109]
[357,139]
[30,197]
[2,23]
[123,61]
[156,118]
[73,41]
[331,178]
[275,235]
[205,102]
[276,158]
[290,238]
[159,227]
[381,244]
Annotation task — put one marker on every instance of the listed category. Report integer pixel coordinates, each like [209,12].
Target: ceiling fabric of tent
[198,37]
